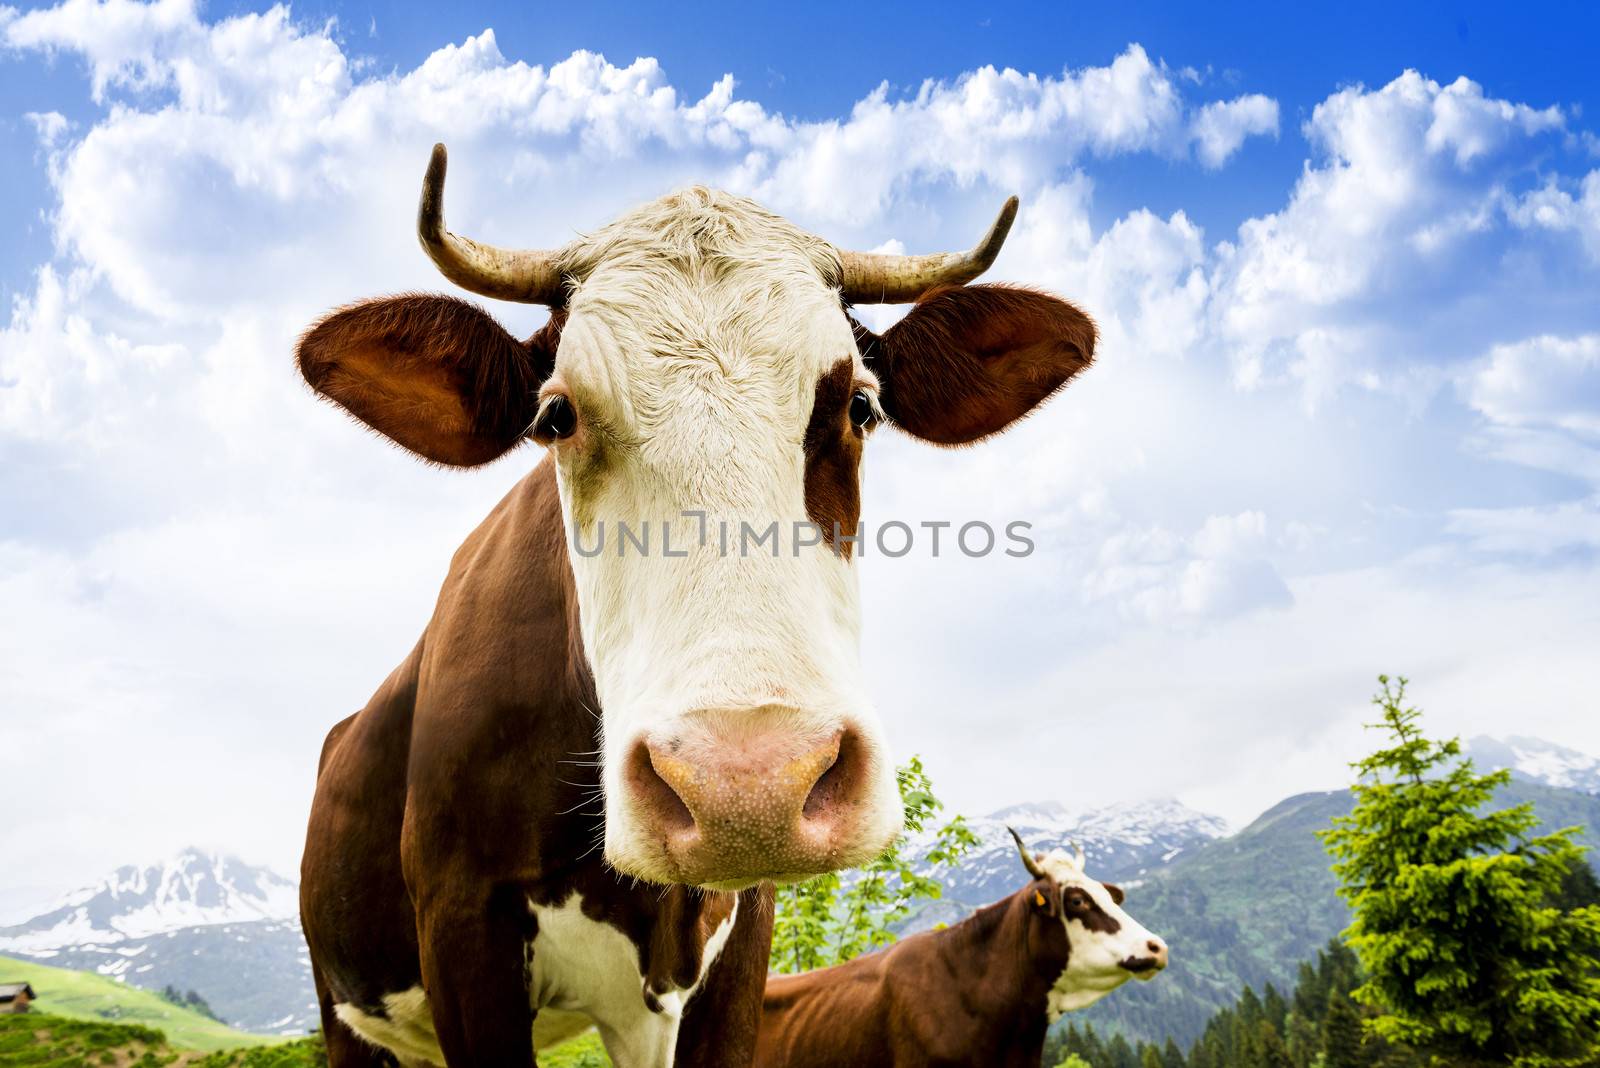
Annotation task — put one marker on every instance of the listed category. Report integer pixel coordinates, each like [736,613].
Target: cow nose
[1158,950]
[733,805]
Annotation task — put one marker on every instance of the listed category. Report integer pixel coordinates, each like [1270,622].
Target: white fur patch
[581,974]
[405,1029]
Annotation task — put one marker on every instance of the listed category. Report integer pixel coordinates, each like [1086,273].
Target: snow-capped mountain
[256,975]
[192,889]
[1537,760]
[1123,843]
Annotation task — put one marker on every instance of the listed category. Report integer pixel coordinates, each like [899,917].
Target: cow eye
[862,413]
[557,419]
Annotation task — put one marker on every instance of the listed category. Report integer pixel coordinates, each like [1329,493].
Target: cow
[566,806]
[981,992]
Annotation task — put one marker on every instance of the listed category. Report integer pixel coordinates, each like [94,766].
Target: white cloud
[54,363]
[1221,570]
[48,126]
[1394,216]
[1540,403]
[1547,380]
[1222,126]
[1534,531]
[1552,208]
[125,43]
[1238,715]
[274,117]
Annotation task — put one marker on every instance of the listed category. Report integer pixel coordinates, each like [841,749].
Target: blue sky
[1346,417]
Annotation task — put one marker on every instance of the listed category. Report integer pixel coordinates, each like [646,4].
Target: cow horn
[876,278]
[528,276]
[1027,857]
[1078,856]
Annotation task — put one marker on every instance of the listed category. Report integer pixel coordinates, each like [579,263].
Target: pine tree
[1579,887]
[1272,1051]
[1275,1008]
[1119,1054]
[1304,1040]
[1465,960]
[1341,1035]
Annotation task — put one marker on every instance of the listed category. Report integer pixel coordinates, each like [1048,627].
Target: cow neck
[504,689]
[1016,954]
[517,558]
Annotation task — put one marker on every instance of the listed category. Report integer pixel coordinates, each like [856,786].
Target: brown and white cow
[475,882]
[981,992]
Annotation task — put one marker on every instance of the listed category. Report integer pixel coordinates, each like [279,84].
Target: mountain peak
[1115,819]
[1123,841]
[1032,813]
[192,888]
[1537,760]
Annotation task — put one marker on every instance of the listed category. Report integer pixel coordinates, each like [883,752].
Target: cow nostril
[835,785]
[1155,947]
[655,793]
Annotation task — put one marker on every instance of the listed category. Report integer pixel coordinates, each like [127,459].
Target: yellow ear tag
[1038,899]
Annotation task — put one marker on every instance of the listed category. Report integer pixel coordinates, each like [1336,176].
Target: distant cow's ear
[969,361]
[1045,898]
[1115,891]
[433,373]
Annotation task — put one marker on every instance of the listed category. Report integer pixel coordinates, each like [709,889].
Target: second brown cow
[981,992]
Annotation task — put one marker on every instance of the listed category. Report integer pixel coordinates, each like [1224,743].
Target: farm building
[15,997]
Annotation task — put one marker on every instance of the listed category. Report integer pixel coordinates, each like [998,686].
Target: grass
[39,1040]
[84,1019]
[300,1053]
[43,1040]
[585,1051]
[90,997]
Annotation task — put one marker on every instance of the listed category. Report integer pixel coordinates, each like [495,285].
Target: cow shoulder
[353,838]
[504,690]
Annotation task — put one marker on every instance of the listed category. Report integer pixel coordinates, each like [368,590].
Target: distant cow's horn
[528,276]
[1027,857]
[875,278]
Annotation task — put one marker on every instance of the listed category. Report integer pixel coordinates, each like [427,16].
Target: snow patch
[1539,761]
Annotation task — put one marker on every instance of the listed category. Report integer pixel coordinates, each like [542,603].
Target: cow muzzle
[724,803]
[1148,964]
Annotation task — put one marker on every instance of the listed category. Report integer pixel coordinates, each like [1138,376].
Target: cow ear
[969,361]
[432,373]
[1044,902]
[1115,891]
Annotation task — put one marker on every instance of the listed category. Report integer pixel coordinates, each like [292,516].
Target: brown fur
[460,793]
[833,457]
[972,994]
[724,1016]
[967,362]
[435,374]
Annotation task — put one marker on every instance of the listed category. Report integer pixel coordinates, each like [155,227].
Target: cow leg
[345,1048]
[474,968]
[722,1019]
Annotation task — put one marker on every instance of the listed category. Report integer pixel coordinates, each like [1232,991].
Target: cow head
[1105,946]
[700,382]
